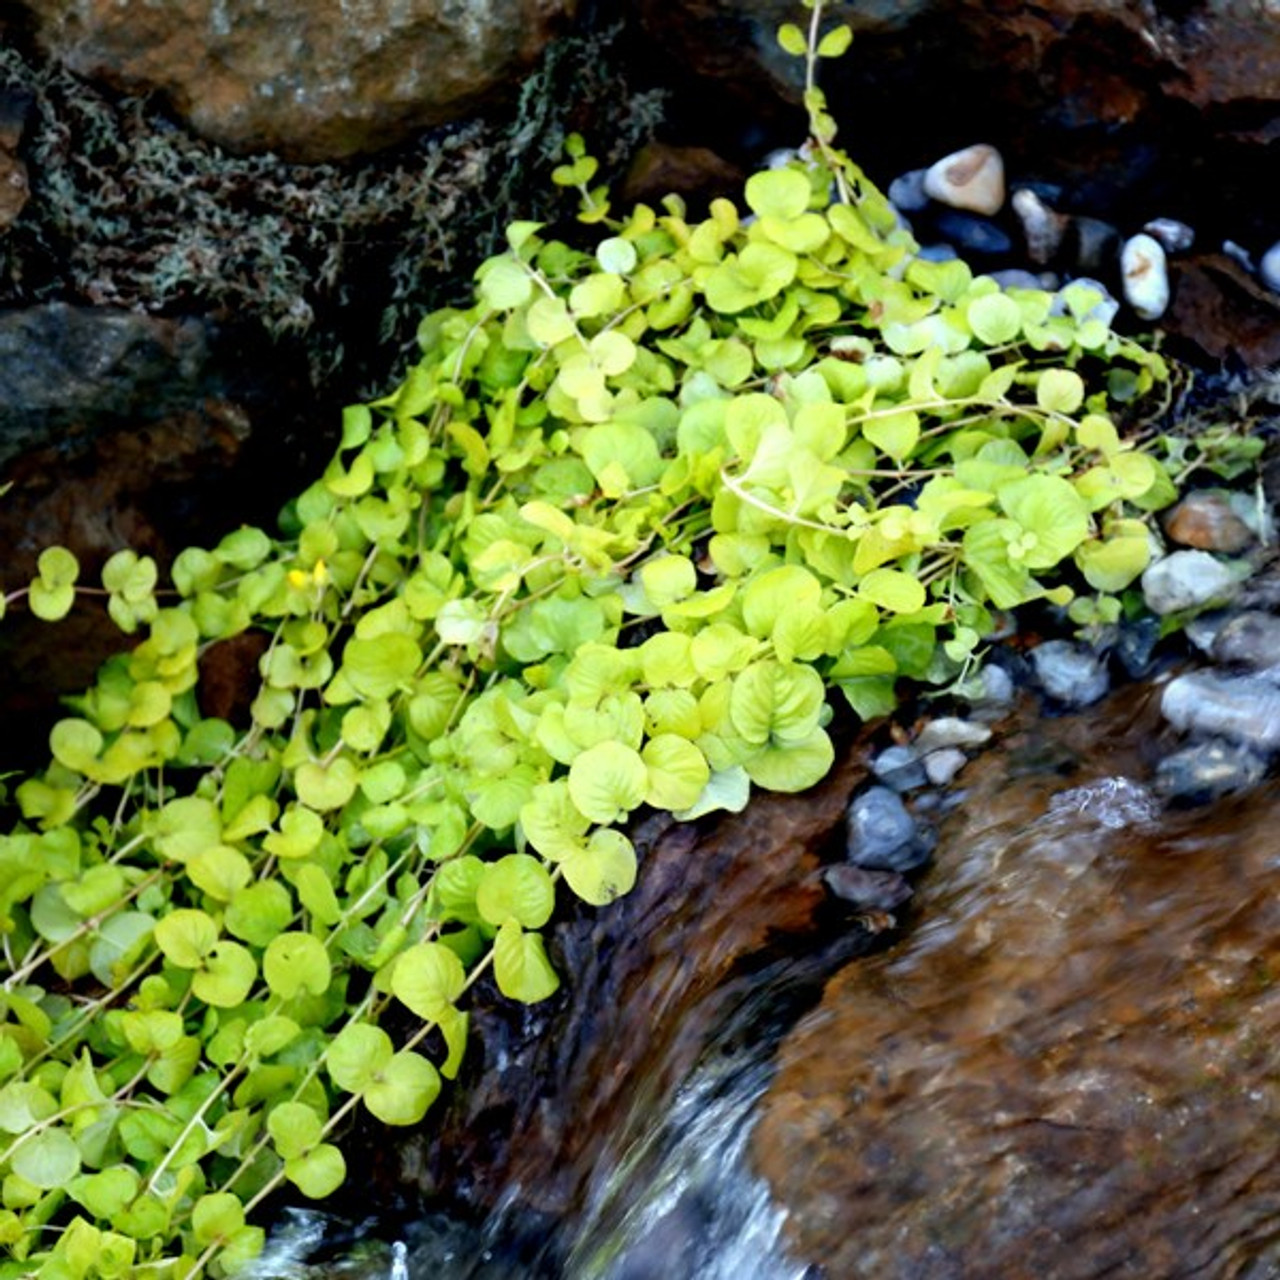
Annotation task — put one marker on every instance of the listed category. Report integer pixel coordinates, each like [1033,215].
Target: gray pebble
[950,731]
[899,768]
[906,192]
[863,887]
[882,834]
[937,253]
[1203,772]
[1202,630]
[1096,244]
[1177,237]
[1136,646]
[971,234]
[1187,580]
[1249,640]
[943,765]
[1070,673]
[1244,709]
[1238,253]
[1017,278]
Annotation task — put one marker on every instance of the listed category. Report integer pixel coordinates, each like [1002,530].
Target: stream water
[1063,1065]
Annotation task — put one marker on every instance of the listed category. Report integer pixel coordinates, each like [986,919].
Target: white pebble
[1269,268]
[1146,276]
[971,179]
[1176,236]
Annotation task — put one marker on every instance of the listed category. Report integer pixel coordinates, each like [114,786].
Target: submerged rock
[1250,639]
[1067,1069]
[882,834]
[1244,709]
[1207,771]
[1069,672]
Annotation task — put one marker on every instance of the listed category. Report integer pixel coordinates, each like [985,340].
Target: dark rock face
[1067,1069]
[309,79]
[120,430]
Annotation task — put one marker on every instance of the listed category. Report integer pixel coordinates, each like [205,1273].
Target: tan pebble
[971,179]
[1206,520]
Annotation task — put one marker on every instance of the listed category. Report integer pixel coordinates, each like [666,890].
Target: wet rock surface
[554,1094]
[1066,1068]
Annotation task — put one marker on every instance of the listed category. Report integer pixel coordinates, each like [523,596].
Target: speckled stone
[1207,519]
[1070,673]
[1244,709]
[1145,274]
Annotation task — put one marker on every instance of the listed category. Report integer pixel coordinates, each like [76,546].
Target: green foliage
[628,522]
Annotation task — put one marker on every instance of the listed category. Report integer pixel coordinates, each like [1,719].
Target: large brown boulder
[309,79]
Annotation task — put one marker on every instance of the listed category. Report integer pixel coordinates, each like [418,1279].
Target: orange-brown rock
[312,80]
[1068,1068]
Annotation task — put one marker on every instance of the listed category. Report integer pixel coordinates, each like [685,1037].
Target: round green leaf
[326,786]
[220,871]
[995,318]
[427,979]
[603,869]
[778,193]
[186,937]
[793,766]
[1052,514]
[1060,391]
[892,590]
[677,773]
[521,967]
[48,1159]
[227,977]
[296,962]
[356,1055]
[516,887]
[404,1089]
[607,781]
[772,700]
[317,1173]
[217,1216]
[294,1128]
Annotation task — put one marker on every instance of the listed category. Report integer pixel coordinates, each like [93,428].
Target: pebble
[882,834]
[864,887]
[1238,253]
[971,179]
[1095,244]
[1070,673]
[950,731]
[907,194]
[1017,278]
[943,765]
[1187,580]
[1145,274]
[1244,709]
[899,768]
[1249,640]
[1207,519]
[1202,630]
[1042,227]
[1207,770]
[1136,646]
[1175,236]
[971,234]
[1269,268]
[937,253]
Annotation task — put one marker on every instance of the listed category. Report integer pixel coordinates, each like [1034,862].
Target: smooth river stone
[1067,1068]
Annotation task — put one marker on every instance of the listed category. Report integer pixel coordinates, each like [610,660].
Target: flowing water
[1065,1065]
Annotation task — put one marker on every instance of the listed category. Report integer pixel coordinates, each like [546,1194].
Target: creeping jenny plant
[637,524]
